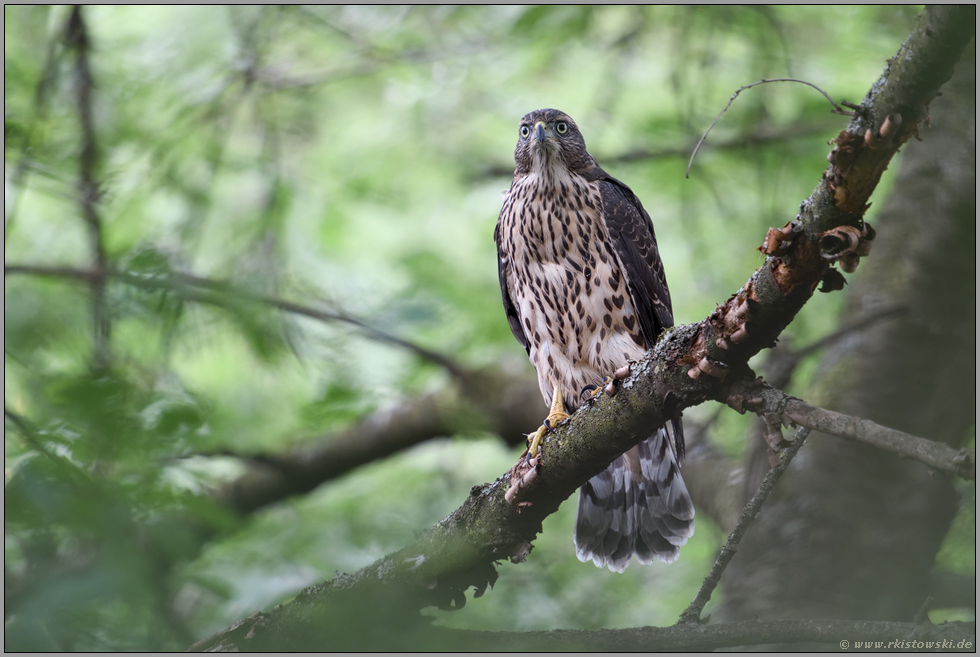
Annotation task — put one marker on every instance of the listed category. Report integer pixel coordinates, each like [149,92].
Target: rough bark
[854,533]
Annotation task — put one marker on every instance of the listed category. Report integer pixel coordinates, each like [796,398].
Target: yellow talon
[556,415]
[535,442]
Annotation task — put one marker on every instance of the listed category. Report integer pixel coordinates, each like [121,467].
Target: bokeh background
[352,159]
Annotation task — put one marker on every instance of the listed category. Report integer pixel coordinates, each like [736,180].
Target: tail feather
[638,505]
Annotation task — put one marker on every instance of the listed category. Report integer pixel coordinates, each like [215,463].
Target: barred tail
[638,505]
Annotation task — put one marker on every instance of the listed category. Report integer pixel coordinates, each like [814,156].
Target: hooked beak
[539,133]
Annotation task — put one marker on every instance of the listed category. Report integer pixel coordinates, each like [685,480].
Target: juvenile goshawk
[584,292]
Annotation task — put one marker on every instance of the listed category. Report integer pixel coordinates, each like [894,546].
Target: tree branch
[76,38]
[780,365]
[693,612]
[18,179]
[179,284]
[756,138]
[765,400]
[783,361]
[837,110]
[686,366]
[859,635]
[488,400]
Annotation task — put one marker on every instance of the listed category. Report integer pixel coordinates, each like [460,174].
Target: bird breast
[566,283]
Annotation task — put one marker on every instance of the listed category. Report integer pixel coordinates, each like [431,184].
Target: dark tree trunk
[851,531]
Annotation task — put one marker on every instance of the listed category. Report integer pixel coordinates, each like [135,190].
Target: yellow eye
[525,131]
[561,127]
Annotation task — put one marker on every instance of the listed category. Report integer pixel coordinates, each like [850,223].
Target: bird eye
[561,127]
[525,131]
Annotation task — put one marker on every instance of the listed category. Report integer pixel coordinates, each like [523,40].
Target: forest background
[298,207]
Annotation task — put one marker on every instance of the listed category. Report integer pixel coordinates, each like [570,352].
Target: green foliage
[350,159]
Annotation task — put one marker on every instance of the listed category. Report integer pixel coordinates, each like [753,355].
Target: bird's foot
[556,416]
[607,383]
[535,439]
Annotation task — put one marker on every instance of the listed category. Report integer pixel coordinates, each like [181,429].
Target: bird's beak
[539,133]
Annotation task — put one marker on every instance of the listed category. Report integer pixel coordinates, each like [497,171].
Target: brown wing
[513,319]
[632,238]
[635,244]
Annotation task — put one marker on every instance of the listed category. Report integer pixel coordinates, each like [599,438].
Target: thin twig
[179,283]
[783,361]
[76,39]
[852,327]
[693,613]
[32,437]
[837,110]
[313,313]
[923,613]
[377,58]
[18,179]
[26,430]
[755,138]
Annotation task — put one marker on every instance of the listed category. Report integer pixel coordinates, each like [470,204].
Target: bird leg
[555,415]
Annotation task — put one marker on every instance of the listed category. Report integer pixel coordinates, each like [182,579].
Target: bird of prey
[584,292]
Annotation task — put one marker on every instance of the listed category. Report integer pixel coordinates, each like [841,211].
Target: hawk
[584,292]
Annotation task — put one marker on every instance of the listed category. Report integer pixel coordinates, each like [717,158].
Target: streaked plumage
[584,292]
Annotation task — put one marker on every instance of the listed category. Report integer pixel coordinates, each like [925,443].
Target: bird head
[548,139]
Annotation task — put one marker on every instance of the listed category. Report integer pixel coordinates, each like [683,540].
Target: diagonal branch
[185,284]
[783,361]
[488,400]
[693,612]
[313,313]
[687,365]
